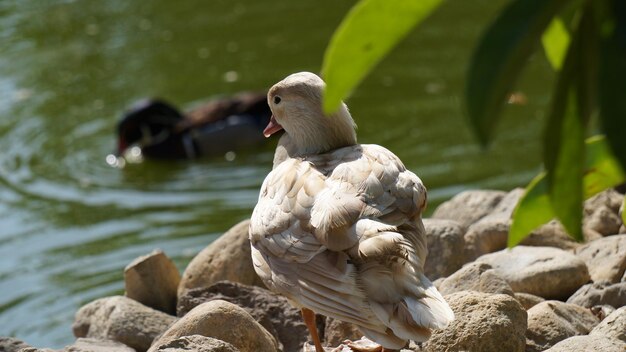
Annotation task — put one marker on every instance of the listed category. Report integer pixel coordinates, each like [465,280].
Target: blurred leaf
[612,82]
[555,41]
[572,105]
[367,33]
[534,209]
[602,170]
[500,57]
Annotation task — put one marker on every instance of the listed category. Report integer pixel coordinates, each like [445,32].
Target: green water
[69,223]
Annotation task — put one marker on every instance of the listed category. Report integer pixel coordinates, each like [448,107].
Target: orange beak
[272,127]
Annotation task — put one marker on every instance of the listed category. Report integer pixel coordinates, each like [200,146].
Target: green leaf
[555,40]
[500,57]
[368,32]
[602,171]
[612,82]
[533,210]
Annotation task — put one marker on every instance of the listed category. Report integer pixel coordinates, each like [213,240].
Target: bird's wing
[391,247]
[289,256]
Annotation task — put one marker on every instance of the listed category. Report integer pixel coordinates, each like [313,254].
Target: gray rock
[272,311]
[11,344]
[121,319]
[588,343]
[227,258]
[527,300]
[152,280]
[35,349]
[196,343]
[552,321]
[484,322]
[546,272]
[475,277]
[613,326]
[445,241]
[223,321]
[601,293]
[96,345]
[605,258]
[469,206]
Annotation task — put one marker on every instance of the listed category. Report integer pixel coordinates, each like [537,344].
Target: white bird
[337,228]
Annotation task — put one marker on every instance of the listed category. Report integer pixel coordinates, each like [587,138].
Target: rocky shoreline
[548,294]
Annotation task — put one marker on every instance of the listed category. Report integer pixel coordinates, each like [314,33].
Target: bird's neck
[332,132]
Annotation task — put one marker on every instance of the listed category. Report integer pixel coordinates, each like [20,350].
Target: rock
[469,206]
[272,311]
[605,258]
[552,321]
[546,272]
[602,311]
[609,198]
[588,344]
[486,236]
[613,326]
[196,343]
[604,221]
[227,258]
[337,331]
[484,322]
[35,349]
[152,280]
[223,321]
[96,345]
[527,300]
[600,293]
[551,234]
[445,241]
[11,344]
[475,277]
[121,319]
[489,234]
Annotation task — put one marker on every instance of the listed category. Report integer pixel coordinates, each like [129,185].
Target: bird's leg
[309,320]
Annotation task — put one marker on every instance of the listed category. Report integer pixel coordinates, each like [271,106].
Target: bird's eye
[277,99]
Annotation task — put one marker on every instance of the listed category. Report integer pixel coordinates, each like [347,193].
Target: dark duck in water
[214,128]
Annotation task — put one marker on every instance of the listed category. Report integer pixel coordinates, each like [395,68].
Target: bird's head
[296,104]
[146,123]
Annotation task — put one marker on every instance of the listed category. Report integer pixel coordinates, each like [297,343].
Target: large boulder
[552,234]
[588,343]
[605,258]
[547,272]
[152,280]
[196,343]
[121,319]
[552,321]
[227,258]
[223,321]
[445,241]
[613,326]
[484,322]
[600,294]
[272,311]
[469,206]
[475,277]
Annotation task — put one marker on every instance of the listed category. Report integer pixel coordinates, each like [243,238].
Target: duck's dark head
[148,122]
